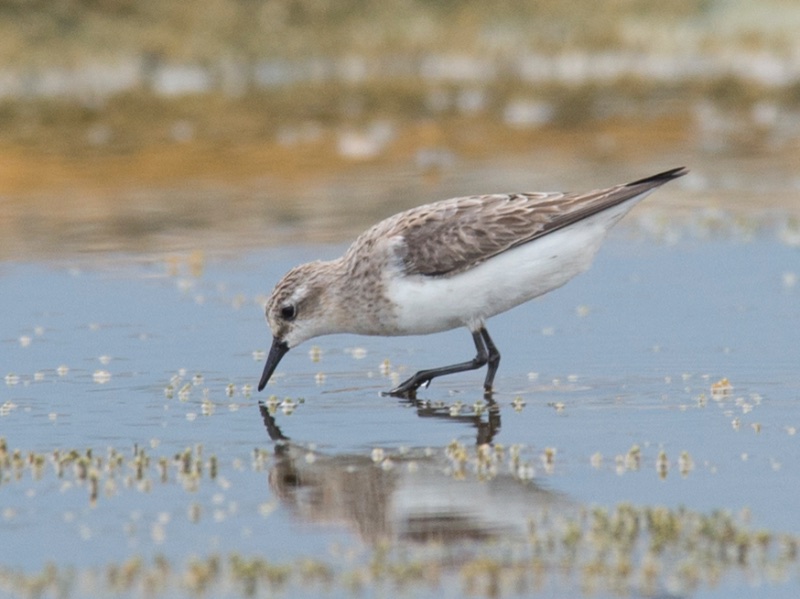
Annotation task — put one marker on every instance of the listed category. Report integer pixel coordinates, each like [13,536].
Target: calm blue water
[621,356]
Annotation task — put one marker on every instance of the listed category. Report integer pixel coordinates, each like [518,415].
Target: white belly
[433,304]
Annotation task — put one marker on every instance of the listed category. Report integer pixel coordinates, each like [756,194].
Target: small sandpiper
[449,264]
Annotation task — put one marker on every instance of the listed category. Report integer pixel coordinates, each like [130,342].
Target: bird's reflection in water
[484,416]
[414,495]
[487,426]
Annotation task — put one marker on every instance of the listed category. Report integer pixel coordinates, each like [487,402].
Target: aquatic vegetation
[721,389]
[203,506]
[101,377]
[117,469]
[621,550]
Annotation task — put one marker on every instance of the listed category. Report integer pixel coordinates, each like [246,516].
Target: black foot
[408,388]
[487,353]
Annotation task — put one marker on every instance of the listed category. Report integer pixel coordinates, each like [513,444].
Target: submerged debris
[721,389]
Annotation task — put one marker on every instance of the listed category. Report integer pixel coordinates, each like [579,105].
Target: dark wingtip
[661,178]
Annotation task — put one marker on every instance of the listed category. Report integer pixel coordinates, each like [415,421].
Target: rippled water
[604,398]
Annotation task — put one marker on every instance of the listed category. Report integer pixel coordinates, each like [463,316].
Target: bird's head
[298,309]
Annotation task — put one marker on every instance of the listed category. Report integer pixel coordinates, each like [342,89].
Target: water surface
[604,398]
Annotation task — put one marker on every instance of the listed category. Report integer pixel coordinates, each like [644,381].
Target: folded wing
[448,237]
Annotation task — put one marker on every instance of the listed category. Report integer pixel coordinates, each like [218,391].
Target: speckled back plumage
[450,236]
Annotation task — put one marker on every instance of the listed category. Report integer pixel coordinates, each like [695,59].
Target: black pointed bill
[276,352]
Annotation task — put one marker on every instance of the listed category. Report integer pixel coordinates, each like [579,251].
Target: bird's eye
[288,312]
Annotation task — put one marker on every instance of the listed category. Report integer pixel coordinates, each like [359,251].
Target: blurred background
[151,125]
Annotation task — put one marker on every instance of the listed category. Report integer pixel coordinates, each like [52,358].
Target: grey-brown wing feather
[454,235]
[460,233]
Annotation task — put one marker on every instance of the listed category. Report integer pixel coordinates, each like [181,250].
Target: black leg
[493,360]
[426,376]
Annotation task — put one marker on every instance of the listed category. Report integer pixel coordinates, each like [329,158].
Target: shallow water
[132,356]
